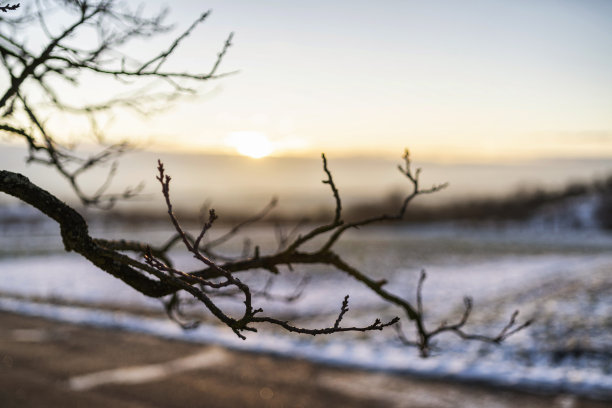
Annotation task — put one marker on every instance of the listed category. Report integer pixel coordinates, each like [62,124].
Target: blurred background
[508,102]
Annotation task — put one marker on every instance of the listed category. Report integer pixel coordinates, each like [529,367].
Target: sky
[452,80]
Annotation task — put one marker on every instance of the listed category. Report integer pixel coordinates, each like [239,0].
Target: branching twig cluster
[424,336]
[291,254]
[38,79]
[218,277]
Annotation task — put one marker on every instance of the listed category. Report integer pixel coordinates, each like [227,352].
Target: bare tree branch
[31,95]
[32,73]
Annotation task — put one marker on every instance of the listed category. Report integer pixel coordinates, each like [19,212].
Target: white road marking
[30,335]
[146,373]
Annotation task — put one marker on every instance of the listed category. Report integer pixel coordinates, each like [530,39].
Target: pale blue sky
[450,79]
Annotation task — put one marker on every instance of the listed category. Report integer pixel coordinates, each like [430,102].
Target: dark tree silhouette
[33,74]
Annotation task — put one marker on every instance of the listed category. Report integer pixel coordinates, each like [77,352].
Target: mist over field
[238,184]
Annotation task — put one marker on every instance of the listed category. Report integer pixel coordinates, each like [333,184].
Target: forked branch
[424,336]
[291,254]
[221,278]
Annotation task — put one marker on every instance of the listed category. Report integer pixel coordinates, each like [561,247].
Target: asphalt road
[51,364]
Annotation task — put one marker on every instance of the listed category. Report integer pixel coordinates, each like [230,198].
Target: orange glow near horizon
[461,82]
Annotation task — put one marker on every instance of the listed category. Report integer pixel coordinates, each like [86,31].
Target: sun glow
[250,143]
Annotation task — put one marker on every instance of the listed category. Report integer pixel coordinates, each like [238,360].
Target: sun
[250,143]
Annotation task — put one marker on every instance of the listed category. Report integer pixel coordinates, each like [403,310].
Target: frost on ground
[563,281]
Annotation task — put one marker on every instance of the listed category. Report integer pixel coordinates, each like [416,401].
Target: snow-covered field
[563,280]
